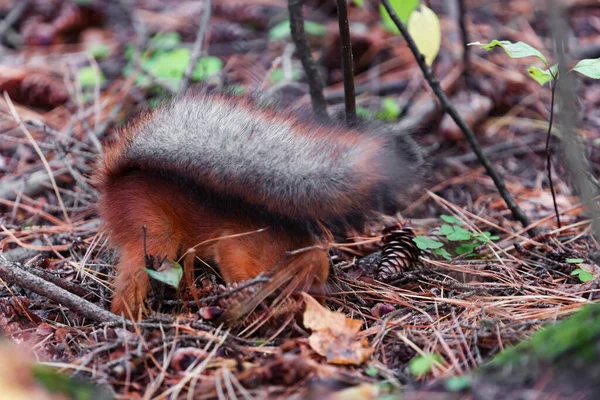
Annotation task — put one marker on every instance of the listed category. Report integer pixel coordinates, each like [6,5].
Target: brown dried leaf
[334,336]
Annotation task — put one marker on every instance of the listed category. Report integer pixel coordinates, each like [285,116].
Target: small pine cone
[38,90]
[399,252]
[236,297]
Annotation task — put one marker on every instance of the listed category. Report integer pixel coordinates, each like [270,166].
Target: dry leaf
[363,391]
[334,335]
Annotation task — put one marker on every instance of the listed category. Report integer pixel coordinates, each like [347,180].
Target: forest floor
[441,316]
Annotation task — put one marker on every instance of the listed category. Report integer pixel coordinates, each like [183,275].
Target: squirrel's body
[243,185]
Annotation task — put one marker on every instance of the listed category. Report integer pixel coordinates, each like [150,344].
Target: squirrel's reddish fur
[212,173]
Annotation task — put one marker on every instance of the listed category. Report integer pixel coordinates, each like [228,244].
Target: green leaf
[460,229]
[485,237]
[574,260]
[278,76]
[443,253]
[514,50]
[170,273]
[465,248]
[542,76]
[450,219]
[458,236]
[314,28]
[372,371]
[424,243]
[425,29]
[169,64]
[585,276]
[457,383]
[391,110]
[421,365]
[207,66]
[588,67]
[165,41]
[282,30]
[403,9]
[363,112]
[99,50]
[446,229]
[67,387]
[576,272]
[87,77]
[359,3]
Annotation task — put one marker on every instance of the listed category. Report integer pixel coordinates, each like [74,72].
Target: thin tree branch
[315,83]
[517,213]
[347,62]
[462,22]
[197,48]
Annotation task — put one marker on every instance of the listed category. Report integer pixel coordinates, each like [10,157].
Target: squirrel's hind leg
[242,258]
[132,284]
[128,205]
[292,262]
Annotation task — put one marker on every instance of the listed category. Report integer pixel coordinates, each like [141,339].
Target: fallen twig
[13,273]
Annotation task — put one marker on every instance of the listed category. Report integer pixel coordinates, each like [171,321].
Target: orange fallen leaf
[334,335]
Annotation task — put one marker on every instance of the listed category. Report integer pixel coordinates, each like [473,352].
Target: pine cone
[399,252]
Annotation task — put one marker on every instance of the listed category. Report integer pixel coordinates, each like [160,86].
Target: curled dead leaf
[334,335]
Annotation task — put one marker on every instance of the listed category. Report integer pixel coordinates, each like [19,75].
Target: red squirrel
[245,185]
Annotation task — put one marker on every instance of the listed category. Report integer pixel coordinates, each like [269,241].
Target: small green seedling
[390,111]
[167,60]
[587,67]
[422,364]
[453,232]
[583,274]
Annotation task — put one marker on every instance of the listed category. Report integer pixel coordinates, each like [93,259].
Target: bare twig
[517,213]
[33,185]
[13,273]
[197,48]
[347,62]
[462,22]
[554,83]
[315,84]
[12,17]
